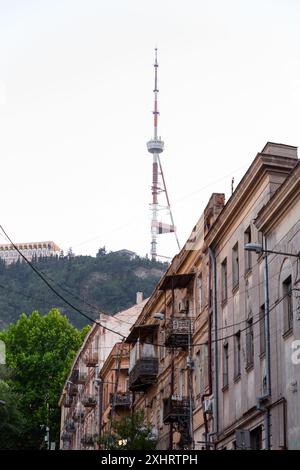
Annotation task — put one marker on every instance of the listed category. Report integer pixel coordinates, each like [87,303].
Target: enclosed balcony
[91,360]
[121,400]
[143,374]
[176,409]
[177,332]
[89,401]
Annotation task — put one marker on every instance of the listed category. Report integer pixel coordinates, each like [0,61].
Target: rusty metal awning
[176,281]
[141,332]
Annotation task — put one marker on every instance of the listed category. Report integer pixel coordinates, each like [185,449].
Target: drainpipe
[205,395]
[215,339]
[268,391]
[100,388]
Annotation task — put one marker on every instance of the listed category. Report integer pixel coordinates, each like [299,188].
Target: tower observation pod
[155,146]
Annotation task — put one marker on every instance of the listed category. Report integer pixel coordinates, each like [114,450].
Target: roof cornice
[262,165]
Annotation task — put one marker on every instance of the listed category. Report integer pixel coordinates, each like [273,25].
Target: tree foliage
[12,422]
[39,351]
[130,433]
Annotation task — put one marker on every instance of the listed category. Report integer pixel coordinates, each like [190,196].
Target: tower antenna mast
[155,147]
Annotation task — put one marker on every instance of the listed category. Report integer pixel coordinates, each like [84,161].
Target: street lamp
[258,249]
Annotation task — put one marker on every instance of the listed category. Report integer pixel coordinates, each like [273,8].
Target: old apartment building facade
[211,357]
[241,378]
[81,402]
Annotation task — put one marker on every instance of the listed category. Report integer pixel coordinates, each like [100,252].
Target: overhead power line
[37,272]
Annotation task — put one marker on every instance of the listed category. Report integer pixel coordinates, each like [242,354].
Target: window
[248,254]
[287,304]
[237,354]
[235,265]
[224,279]
[225,365]
[262,329]
[249,343]
[256,438]
[199,288]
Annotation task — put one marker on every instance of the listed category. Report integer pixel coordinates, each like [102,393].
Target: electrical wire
[55,291]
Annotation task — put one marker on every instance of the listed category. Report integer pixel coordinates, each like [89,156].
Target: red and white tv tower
[155,147]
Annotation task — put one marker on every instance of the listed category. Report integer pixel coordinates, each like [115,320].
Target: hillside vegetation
[107,282]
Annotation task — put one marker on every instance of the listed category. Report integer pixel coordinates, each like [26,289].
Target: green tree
[40,350]
[11,419]
[130,433]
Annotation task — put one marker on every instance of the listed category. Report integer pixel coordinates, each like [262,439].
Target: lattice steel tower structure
[156,147]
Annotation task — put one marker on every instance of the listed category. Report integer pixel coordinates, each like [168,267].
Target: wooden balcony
[143,374]
[177,332]
[88,440]
[176,410]
[91,360]
[89,401]
[121,400]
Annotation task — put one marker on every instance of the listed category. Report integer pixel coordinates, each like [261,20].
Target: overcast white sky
[76,81]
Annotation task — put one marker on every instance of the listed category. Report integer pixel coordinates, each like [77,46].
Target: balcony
[177,332]
[88,440]
[78,416]
[91,360]
[70,426]
[68,401]
[78,377]
[66,436]
[176,409]
[143,374]
[73,389]
[121,400]
[89,401]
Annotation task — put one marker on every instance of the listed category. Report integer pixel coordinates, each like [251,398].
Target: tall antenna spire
[155,147]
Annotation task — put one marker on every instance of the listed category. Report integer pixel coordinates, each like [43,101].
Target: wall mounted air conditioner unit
[208,405]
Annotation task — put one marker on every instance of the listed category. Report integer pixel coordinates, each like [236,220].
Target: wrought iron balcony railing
[89,401]
[78,377]
[91,360]
[121,400]
[176,409]
[73,389]
[143,374]
[88,439]
[70,426]
[66,436]
[177,332]
[78,416]
[68,401]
